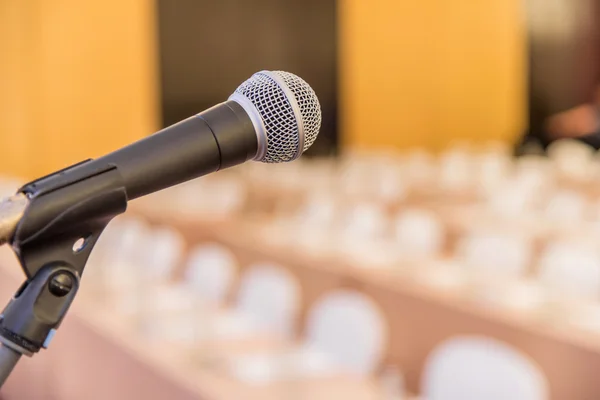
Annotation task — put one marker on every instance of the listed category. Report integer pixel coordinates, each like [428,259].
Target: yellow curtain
[430,72]
[77,79]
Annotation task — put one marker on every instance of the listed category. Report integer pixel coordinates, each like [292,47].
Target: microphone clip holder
[65,215]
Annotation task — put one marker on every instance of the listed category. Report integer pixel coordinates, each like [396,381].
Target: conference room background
[80,79]
[423,211]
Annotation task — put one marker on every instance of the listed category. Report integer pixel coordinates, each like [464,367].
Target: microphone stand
[52,235]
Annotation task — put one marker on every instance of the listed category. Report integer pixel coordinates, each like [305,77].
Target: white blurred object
[419,233]
[210,272]
[318,211]
[121,254]
[345,333]
[535,173]
[266,368]
[389,185]
[419,167]
[491,170]
[572,158]
[515,196]
[477,368]
[167,313]
[493,255]
[456,169]
[566,207]
[363,221]
[361,229]
[510,199]
[349,328]
[270,296]
[570,270]
[163,250]
[312,225]
[355,177]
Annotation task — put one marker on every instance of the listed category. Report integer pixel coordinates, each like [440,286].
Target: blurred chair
[363,227]
[572,159]
[355,177]
[389,185]
[495,255]
[345,333]
[419,233]
[347,327]
[362,221]
[510,199]
[456,170]
[162,251]
[123,243]
[116,261]
[270,298]
[314,221]
[154,255]
[477,368]
[210,271]
[570,271]
[566,207]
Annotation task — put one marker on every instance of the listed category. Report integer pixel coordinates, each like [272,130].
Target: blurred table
[97,356]
[420,318]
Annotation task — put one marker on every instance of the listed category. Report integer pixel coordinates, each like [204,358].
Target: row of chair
[344,329]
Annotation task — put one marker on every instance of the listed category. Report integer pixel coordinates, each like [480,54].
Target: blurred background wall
[79,78]
[431,71]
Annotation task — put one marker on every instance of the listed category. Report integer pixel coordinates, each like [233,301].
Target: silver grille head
[285,112]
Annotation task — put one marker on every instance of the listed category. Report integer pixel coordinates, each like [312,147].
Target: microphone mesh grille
[277,113]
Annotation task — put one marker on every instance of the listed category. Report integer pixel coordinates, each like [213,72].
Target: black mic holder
[53,241]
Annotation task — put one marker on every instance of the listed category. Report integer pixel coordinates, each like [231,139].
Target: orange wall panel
[77,79]
[427,73]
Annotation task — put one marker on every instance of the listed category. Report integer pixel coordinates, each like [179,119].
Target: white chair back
[496,254]
[570,270]
[121,249]
[210,271]
[476,368]
[364,221]
[270,297]
[162,248]
[318,212]
[455,169]
[419,233]
[566,207]
[349,328]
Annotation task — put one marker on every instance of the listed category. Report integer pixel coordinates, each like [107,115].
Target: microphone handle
[220,137]
[217,138]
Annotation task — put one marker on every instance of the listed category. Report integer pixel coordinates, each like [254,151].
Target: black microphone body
[220,137]
[53,223]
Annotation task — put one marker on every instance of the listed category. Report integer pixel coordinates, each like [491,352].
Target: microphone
[272,117]
[54,222]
